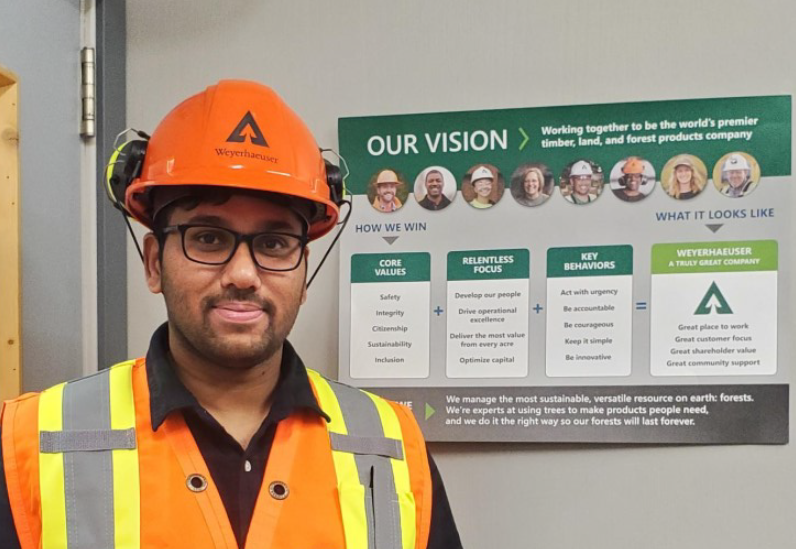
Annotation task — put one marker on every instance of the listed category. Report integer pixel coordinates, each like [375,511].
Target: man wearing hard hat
[580,183]
[386,199]
[631,180]
[220,437]
[736,176]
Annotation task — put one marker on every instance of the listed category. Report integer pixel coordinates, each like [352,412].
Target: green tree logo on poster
[713,302]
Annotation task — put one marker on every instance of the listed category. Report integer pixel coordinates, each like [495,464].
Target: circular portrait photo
[684,176]
[632,179]
[483,186]
[582,182]
[532,184]
[387,190]
[736,174]
[435,188]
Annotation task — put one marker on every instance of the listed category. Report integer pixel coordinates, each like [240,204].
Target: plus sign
[538,308]
[438,310]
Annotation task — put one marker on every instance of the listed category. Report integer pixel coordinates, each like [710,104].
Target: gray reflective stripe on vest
[57,442]
[386,447]
[375,470]
[88,472]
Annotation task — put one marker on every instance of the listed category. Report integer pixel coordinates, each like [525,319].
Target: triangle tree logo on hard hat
[256,136]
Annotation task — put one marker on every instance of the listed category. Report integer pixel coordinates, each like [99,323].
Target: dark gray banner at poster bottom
[673,414]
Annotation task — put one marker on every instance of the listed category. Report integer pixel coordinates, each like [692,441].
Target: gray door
[40,42]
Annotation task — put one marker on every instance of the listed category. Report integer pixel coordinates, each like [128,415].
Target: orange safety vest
[84,470]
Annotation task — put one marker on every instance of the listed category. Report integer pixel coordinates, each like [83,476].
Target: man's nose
[241,271]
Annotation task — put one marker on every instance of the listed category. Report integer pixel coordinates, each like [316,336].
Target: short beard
[202,342]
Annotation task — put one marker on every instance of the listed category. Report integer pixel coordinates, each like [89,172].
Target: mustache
[237,294]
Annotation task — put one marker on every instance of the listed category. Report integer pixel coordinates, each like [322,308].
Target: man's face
[434,184]
[483,187]
[632,182]
[234,315]
[581,184]
[386,192]
[736,177]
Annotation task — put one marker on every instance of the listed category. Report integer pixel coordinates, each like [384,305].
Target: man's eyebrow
[266,226]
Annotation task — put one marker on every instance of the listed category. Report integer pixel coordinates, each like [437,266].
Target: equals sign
[641,305]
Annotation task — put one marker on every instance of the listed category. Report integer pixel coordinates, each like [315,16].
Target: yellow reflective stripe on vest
[351,491]
[51,473]
[88,458]
[392,507]
[126,485]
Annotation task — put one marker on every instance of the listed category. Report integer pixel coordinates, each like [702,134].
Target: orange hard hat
[238,135]
[634,165]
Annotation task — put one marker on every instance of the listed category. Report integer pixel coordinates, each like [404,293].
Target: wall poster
[599,273]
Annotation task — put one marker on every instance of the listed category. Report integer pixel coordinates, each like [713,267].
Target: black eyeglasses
[270,251]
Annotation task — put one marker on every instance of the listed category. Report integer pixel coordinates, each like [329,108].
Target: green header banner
[590,261]
[409,267]
[557,136]
[489,265]
[715,257]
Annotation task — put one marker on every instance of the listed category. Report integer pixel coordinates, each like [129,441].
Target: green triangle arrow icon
[429,411]
[713,302]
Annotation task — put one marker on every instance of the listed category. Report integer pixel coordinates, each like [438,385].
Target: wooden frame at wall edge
[10,282]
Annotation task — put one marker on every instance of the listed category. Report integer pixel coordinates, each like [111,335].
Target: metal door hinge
[88,92]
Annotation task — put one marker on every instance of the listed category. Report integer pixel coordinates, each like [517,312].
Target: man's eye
[209,238]
[271,242]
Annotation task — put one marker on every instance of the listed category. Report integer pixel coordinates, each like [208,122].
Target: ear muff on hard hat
[123,167]
[237,135]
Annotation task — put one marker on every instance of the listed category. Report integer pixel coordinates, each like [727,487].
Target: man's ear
[152,265]
[306,269]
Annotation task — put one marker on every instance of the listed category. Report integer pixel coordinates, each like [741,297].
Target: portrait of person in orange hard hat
[632,179]
[684,176]
[387,190]
[221,435]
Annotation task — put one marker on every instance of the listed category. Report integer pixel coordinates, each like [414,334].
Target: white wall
[349,58]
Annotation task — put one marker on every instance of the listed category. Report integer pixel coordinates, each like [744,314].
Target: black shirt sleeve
[443,533]
[8,533]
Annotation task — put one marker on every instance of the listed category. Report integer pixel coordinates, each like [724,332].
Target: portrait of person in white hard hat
[684,176]
[482,186]
[435,188]
[582,182]
[736,174]
[387,190]
[632,179]
[532,184]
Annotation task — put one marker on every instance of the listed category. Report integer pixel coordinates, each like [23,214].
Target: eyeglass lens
[215,245]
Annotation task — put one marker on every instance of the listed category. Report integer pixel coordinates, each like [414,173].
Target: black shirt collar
[167,393]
